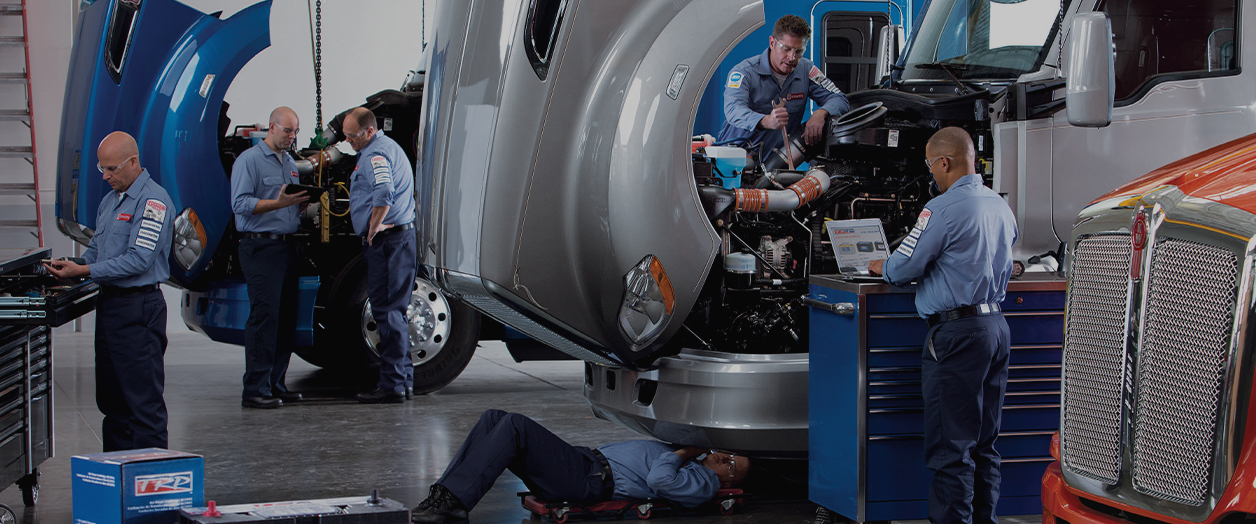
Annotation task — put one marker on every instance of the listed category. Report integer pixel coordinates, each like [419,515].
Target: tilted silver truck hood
[543,184]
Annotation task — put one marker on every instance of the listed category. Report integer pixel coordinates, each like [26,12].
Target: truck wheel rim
[429,319]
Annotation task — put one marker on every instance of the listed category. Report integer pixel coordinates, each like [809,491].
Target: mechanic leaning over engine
[757,86]
[381,205]
[960,252]
[267,215]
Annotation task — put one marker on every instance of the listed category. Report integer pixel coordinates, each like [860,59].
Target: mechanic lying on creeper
[557,471]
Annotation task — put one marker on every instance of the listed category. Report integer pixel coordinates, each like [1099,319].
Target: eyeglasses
[791,51]
[290,130]
[112,169]
[356,135]
[732,466]
[929,162]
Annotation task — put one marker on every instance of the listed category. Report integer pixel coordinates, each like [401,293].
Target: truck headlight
[189,239]
[648,302]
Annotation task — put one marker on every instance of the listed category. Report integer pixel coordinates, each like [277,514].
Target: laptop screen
[856,243]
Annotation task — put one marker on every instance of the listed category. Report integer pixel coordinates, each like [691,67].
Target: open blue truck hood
[158,70]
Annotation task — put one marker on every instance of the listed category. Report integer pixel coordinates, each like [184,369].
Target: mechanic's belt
[115,291]
[271,236]
[392,230]
[962,312]
[608,478]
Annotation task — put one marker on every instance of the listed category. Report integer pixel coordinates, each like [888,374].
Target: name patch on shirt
[795,96]
[124,217]
[734,79]
[383,175]
[155,210]
[294,174]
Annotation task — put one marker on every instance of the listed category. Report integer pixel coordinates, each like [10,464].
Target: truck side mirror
[889,44]
[1091,82]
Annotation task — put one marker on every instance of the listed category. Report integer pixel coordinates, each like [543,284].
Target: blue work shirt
[649,469]
[960,249]
[383,177]
[131,246]
[258,174]
[751,89]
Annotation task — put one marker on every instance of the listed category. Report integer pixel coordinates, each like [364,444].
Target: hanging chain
[318,63]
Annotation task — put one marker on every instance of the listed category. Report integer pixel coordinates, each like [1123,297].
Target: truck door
[1179,90]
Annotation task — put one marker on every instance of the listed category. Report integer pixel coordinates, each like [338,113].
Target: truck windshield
[981,39]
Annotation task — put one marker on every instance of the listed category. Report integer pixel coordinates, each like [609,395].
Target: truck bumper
[222,310]
[750,403]
[1061,506]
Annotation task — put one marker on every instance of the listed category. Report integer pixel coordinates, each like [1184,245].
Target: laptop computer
[856,243]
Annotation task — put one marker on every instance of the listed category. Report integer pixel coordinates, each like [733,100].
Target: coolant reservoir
[730,161]
[739,270]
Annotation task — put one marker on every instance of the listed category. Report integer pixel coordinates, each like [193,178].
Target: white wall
[368,46]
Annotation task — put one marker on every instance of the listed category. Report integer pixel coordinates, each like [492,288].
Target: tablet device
[313,191]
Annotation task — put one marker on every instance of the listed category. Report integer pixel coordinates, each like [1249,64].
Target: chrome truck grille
[1094,342]
[1163,401]
[1182,361]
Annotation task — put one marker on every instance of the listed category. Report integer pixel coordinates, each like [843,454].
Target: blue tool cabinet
[866,456]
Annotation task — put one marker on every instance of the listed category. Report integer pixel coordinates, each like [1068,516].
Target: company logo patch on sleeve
[819,79]
[151,224]
[155,210]
[923,220]
[146,244]
[910,241]
[383,175]
[734,80]
[905,250]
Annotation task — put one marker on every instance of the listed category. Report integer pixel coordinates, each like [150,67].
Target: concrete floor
[331,446]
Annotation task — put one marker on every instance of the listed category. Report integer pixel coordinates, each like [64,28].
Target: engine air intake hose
[798,194]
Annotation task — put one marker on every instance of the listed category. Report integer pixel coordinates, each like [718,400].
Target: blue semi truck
[159,70]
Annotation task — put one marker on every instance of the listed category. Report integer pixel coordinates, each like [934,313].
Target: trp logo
[162,484]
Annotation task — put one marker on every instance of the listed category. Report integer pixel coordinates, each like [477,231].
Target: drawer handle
[840,308]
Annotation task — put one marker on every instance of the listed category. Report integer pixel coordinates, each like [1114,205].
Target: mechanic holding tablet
[266,216]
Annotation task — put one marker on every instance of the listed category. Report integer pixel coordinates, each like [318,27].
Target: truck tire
[443,336]
[443,331]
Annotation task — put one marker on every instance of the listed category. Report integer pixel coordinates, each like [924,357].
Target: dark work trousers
[130,370]
[389,283]
[270,273]
[963,388]
[550,468]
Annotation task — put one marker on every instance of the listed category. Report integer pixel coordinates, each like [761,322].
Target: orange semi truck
[1157,420]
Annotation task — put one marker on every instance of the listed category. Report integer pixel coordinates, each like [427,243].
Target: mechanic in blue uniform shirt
[960,252]
[128,256]
[557,471]
[267,216]
[780,73]
[381,206]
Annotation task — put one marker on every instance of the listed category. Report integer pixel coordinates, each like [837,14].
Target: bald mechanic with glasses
[555,470]
[128,257]
[759,84]
[960,253]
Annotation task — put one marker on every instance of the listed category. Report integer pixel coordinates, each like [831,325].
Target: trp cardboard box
[141,486]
